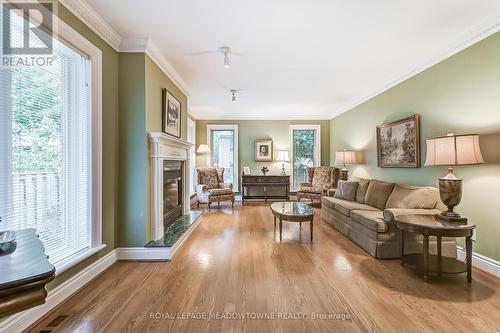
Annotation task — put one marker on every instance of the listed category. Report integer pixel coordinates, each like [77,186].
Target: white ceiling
[300,59]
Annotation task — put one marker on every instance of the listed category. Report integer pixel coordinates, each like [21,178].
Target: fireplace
[170,165]
[172,191]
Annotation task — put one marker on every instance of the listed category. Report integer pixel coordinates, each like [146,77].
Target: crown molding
[198,116]
[146,45]
[94,21]
[480,32]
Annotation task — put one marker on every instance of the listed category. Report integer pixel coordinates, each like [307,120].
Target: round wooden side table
[428,225]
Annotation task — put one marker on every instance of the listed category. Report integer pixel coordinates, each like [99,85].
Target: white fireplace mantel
[165,147]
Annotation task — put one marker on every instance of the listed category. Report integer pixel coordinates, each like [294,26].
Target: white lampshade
[283,156]
[345,157]
[203,149]
[454,150]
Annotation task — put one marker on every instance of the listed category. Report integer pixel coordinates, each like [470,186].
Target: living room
[234,166]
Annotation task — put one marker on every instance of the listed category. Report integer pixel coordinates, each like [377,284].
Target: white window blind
[45,148]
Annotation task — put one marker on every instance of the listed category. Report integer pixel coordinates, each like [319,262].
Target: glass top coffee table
[292,212]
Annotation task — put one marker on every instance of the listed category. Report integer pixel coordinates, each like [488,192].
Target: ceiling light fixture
[233,93]
[226,50]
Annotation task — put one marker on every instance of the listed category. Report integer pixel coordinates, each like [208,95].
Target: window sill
[69,262]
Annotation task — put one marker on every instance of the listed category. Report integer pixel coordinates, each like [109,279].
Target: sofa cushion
[413,197]
[311,189]
[344,207]
[377,193]
[346,190]
[361,191]
[373,220]
[220,191]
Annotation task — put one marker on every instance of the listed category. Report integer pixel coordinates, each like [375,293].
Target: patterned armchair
[319,181]
[211,187]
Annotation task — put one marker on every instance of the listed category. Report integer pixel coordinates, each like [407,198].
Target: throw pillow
[361,191]
[346,190]
[377,193]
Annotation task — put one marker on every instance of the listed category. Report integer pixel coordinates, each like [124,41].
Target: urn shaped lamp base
[450,191]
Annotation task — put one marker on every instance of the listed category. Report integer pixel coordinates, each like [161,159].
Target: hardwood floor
[233,263]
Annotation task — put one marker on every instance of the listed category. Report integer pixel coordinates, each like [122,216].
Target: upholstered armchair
[319,181]
[211,187]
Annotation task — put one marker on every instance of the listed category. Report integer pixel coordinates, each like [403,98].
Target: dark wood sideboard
[25,271]
[264,182]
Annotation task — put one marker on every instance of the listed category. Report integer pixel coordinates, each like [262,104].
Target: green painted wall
[109,137]
[250,130]
[140,97]
[461,95]
[133,151]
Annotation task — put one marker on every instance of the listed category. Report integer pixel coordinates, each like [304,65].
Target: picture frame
[246,170]
[264,150]
[398,143]
[171,114]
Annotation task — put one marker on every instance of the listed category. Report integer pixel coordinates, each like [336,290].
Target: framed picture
[264,150]
[398,143]
[171,114]
[246,170]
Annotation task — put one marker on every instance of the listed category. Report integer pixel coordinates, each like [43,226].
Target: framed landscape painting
[264,150]
[398,143]
[171,114]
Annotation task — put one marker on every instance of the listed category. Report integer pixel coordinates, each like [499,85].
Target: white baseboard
[143,253]
[20,321]
[479,261]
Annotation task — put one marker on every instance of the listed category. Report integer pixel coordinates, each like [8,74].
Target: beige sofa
[368,220]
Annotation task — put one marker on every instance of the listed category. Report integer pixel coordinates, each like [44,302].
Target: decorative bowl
[7,237]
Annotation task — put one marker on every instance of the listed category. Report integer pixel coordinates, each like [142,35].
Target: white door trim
[234,128]
[317,149]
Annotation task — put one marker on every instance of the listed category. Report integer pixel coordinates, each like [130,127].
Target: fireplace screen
[172,191]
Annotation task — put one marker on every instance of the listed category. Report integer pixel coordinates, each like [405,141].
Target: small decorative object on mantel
[345,157]
[171,114]
[246,170]
[264,170]
[452,150]
[264,150]
[398,143]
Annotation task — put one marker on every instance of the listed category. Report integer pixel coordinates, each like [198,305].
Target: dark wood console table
[264,182]
[25,271]
[428,225]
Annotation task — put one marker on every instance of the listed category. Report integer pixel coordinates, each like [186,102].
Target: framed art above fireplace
[171,114]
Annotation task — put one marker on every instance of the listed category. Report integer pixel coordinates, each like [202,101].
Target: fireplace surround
[169,173]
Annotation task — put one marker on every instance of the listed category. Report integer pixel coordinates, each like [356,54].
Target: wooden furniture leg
[468,249]
[281,229]
[311,226]
[402,246]
[426,258]
[439,241]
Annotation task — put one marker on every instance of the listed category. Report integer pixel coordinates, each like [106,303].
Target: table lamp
[345,157]
[451,150]
[204,149]
[283,157]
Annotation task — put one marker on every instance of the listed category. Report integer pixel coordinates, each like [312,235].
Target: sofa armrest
[331,192]
[391,214]
[305,184]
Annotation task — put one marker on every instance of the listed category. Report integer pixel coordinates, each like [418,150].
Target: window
[223,142]
[191,129]
[50,146]
[305,151]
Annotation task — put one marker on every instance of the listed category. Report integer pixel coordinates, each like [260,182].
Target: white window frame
[317,150]
[73,39]
[234,128]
